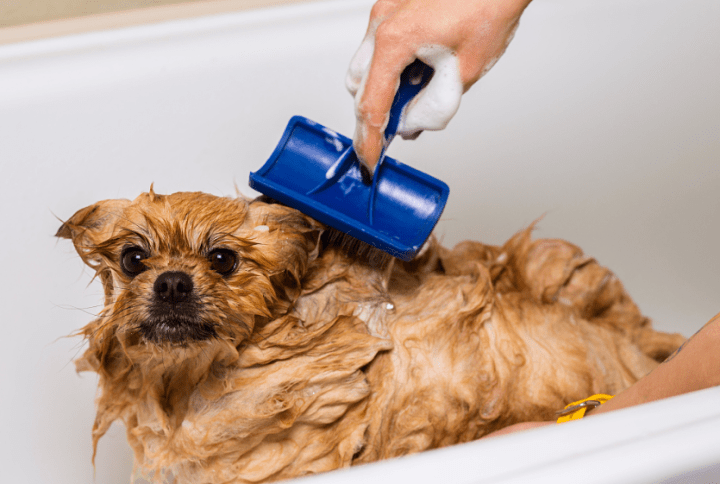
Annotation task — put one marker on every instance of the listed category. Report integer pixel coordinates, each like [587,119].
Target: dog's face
[191,267]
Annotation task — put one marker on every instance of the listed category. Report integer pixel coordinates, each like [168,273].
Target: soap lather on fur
[237,344]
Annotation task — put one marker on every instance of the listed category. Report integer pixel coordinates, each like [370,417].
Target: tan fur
[322,361]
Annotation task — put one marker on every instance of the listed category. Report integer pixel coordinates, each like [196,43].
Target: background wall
[17,12]
[603,116]
[23,20]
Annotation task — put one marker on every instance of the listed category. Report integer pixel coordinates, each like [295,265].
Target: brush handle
[412,80]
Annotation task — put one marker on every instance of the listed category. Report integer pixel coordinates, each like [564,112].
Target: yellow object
[576,410]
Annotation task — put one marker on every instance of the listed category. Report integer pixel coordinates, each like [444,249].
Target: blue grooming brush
[315,170]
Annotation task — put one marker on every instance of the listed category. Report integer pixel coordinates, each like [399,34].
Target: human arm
[694,366]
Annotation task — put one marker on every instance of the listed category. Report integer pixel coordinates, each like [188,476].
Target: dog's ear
[90,225]
[292,244]
[291,222]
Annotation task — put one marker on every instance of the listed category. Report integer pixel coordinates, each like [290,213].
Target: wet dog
[238,343]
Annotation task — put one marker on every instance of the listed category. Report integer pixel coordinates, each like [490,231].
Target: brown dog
[236,344]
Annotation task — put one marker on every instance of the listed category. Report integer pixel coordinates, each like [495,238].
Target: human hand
[460,39]
[518,427]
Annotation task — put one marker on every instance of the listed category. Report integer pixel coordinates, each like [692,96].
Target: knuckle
[377,11]
[366,111]
[390,32]
[381,9]
[369,112]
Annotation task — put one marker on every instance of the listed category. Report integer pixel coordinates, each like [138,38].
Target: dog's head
[190,267]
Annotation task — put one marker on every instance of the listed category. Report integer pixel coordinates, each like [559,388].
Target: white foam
[433,108]
[360,63]
[336,143]
[333,169]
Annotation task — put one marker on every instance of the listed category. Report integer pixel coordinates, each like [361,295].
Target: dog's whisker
[118,313]
[82,310]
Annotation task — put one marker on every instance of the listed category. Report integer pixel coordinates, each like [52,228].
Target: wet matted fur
[304,358]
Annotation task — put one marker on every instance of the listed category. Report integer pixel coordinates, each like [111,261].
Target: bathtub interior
[603,118]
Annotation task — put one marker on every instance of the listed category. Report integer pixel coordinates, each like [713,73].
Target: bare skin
[694,366]
[476,32]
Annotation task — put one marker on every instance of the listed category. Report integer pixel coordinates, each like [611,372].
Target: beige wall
[31,19]
[18,12]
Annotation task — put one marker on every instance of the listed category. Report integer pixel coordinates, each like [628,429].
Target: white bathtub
[603,116]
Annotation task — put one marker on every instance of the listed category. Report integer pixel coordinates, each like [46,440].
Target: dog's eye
[223,261]
[131,261]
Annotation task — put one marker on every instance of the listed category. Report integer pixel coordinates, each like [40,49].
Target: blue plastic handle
[412,80]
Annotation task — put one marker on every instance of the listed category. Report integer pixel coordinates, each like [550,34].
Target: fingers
[360,63]
[433,108]
[381,10]
[392,53]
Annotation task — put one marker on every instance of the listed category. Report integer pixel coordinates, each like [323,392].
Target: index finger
[390,57]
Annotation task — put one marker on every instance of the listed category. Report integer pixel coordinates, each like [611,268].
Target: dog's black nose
[173,286]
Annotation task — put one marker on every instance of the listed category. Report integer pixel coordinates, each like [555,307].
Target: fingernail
[366,169]
[366,174]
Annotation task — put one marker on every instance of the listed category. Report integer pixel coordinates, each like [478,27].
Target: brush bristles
[356,248]
[351,246]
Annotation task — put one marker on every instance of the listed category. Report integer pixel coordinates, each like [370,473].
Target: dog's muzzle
[174,313]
